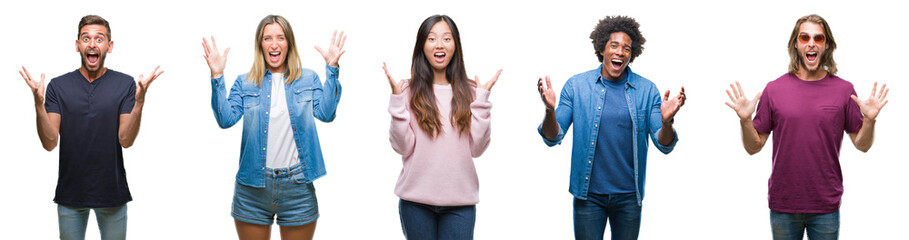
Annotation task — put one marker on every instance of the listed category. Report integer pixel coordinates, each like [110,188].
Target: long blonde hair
[293,69]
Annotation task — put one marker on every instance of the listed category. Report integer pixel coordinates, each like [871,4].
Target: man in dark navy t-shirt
[96,112]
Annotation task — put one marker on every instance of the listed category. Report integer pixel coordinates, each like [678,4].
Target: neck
[811,75]
[439,78]
[605,74]
[92,76]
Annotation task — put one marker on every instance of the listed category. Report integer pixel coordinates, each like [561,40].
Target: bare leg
[249,231]
[299,232]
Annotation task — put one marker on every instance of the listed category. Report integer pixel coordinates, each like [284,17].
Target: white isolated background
[181,169]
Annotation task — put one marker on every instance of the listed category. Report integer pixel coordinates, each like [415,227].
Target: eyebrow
[84,33]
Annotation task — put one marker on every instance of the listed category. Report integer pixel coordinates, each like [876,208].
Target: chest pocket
[250,99]
[642,115]
[303,95]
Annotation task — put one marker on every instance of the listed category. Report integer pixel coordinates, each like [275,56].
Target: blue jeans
[73,221]
[591,215]
[820,226]
[420,221]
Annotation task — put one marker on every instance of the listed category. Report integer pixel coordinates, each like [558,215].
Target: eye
[627,49]
[99,39]
[447,39]
[85,39]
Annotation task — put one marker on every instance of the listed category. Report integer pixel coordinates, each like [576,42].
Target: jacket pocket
[250,99]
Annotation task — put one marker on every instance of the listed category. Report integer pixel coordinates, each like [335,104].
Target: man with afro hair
[614,110]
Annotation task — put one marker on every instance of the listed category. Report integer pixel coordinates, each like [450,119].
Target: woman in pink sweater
[439,123]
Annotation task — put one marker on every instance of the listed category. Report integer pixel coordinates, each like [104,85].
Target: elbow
[125,142]
[864,149]
[49,146]
[752,151]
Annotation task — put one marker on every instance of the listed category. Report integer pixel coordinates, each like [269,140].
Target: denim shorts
[292,202]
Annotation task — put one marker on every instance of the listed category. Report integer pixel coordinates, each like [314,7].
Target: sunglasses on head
[819,39]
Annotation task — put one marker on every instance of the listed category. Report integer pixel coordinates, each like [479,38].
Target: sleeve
[564,114]
[480,123]
[656,123]
[854,118]
[763,116]
[227,109]
[51,99]
[129,101]
[401,135]
[326,96]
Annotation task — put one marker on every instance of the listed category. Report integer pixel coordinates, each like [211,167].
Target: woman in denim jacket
[280,154]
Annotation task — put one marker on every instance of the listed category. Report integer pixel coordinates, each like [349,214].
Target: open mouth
[439,57]
[92,57]
[274,56]
[616,64]
[811,56]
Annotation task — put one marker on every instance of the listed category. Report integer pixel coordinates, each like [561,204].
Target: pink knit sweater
[439,171]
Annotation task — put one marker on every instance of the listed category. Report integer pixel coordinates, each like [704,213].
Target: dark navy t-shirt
[91,172]
[613,159]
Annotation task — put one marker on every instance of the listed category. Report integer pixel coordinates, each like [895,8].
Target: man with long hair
[807,109]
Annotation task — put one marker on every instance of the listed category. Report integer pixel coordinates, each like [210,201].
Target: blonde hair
[292,67]
[795,61]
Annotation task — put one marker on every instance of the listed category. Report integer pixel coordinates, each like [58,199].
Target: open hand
[743,106]
[335,49]
[36,86]
[215,60]
[872,106]
[488,85]
[672,105]
[396,86]
[144,82]
[546,93]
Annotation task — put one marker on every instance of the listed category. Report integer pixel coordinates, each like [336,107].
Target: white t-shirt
[282,150]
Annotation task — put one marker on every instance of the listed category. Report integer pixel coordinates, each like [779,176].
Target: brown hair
[292,66]
[795,61]
[93,20]
[422,98]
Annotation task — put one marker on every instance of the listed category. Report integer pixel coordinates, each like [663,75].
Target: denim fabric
[792,226]
[621,211]
[306,98]
[73,221]
[293,202]
[581,103]
[421,221]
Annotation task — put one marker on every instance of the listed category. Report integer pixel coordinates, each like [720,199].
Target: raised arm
[550,127]
[479,126]
[870,108]
[401,135]
[48,123]
[326,98]
[130,122]
[227,108]
[744,108]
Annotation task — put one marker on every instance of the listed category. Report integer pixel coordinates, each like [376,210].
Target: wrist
[216,75]
[670,122]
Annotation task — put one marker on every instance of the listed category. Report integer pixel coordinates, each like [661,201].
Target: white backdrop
[181,169]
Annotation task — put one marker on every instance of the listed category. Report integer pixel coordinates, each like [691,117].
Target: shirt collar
[627,77]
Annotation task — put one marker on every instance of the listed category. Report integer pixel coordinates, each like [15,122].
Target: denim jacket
[582,101]
[306,98]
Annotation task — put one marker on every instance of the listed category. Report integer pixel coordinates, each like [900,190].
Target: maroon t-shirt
[807,119]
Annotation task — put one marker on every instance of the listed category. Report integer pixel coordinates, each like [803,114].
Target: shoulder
[841,82]
[65,78]
[119,76]
[641,81]
[306,73]
[584,76]
[779,82]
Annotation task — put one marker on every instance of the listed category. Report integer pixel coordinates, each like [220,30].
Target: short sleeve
[51,99]
[854,118]
[129,100]
[763,117]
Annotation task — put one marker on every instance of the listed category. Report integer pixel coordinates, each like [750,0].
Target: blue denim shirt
[581,102]
[306,98]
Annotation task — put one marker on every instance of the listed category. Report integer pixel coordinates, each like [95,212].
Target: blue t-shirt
[613,159]
[91,172]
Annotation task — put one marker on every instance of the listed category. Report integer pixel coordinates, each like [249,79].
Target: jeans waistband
[284,172]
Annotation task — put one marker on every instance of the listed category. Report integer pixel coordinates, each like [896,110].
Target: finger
[730,105]
[225,53]
[885,90]
[390,79]
[758,96]
[884,104]
[735,92]
[341,53]
[334,35]
[730,96]
[318,49]
[874,90]
[682,92]
[343,40]
[548,83]
[855,99]
[741,92]
[213,44]
[666,96]
[205,47]
[476,78]
[141,79]
[24,77]
[42,79]
[29,75]
[492,82]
